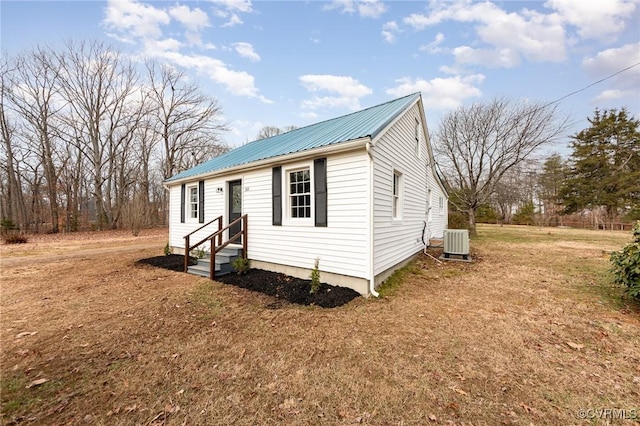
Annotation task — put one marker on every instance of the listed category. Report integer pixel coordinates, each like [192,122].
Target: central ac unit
[456,242]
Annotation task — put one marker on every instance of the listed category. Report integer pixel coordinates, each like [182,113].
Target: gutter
[372,280]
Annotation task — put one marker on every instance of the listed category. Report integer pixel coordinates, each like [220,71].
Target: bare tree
[97,84]
[188,122]
[478,144]
[14,204]
[269,131]
[35,97]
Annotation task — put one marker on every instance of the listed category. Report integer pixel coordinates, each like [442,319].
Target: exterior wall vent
[456,242]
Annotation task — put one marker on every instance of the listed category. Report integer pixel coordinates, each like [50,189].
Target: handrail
[188,247]
[206,224]
[215,248]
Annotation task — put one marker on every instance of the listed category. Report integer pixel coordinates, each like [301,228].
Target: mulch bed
[172,262]
[280,286]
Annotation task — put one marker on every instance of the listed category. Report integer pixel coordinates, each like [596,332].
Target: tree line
[489,158]
[89,135]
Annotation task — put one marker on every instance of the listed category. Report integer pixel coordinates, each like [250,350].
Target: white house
[358,192]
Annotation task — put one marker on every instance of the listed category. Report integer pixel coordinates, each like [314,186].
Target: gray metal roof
[366,123]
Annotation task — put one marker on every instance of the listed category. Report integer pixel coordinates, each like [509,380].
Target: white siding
[439,216]
[341,246]
[396,240]
[214,206]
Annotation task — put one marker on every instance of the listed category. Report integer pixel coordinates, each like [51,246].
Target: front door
[235,208]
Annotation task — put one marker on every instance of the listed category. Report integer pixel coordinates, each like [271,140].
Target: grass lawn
[532,332]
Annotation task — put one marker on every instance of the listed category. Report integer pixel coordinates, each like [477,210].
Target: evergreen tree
[605,165]
[549,183]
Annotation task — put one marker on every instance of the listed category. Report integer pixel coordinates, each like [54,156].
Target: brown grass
[528,334]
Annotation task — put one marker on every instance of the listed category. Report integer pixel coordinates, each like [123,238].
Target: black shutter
[276,192]
[320,190]
[201,201]
[183,193]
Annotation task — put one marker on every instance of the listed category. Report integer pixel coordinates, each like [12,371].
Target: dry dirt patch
[523,336]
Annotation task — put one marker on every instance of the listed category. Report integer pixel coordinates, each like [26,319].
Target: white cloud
[235,5]
[309,115]
[246,51]
[610,61]
[231,10]
[493,58]
[159,47]
[371,8]
[434,46]
[233,21]
[440,93]
[595,19]
[141,24]
[365,8]
[239,83]
[134,18]
[389,31]
[536,36]
[609,95]
[343,91]
[194,19]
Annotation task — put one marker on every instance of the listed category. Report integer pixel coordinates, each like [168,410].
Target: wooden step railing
[215,248]
[188,248]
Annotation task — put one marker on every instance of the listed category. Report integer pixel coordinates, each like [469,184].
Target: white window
[300,193]
[441,204]
[193,202]
[397,200]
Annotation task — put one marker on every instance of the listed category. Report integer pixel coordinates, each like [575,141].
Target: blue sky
[295,62]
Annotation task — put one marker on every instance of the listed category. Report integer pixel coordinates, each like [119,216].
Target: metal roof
[366,123]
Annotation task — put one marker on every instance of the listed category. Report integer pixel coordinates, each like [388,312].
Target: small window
[418,151]
[441,204]
[300,193]
[396,202]
[193,202]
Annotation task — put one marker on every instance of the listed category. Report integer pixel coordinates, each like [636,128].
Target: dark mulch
[280,286]
[294,290]
[173,262]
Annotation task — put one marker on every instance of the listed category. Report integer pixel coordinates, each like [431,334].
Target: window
[418,151]
[193,202]
[300,193]
[396,206]
[441,204]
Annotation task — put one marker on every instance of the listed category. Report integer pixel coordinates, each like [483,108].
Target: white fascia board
[395,120]
[359,143]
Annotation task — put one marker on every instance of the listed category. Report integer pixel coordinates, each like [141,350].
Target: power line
[590,85]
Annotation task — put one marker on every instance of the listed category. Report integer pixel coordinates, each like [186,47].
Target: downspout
[372,280]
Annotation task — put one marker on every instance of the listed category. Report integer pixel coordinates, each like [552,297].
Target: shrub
[199,253]
[315,276]
[241,265]
[15,238]
[7,225]
[167,250]
[525,214]
[626,264]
